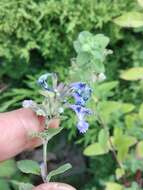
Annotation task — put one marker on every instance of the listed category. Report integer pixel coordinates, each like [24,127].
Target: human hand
[14,129]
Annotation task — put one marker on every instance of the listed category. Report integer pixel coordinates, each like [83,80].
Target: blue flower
[42,81]
[27,103]
[78,86]
[81,92]
[78,99]
[81,112]
[86,94]
[82,126]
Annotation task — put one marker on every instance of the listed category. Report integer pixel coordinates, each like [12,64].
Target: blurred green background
[36,36]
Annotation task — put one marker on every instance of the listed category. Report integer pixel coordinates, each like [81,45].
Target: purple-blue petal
[81,91]
[82,126]
[42,81]
[27,103]
[78,99]
[80,111]
[86,94]
[78,85]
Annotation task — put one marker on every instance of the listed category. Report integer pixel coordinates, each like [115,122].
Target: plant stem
[110,142]
[103,124]
[45,143]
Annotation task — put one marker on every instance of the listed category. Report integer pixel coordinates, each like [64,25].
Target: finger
[54,186]
[54,123]
[15,127]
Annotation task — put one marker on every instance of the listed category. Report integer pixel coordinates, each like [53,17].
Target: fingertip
[15,127]
[54,186]
[54,123]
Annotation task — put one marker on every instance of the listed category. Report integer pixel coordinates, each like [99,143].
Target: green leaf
[59,170]
[108,109]
[141,112]
[7,168]
[85,36]
[102,40]
[21,185]
[139,149]
[103,138]
[105,89]
[132,74]
[131,19]
[113,186]
[91,52]
[29,167]
[97,65]
[126,107]
[122,143]
[48,133]
[4,185]
[26,186]
[120,172]
[51,132]
[83,58]
[131,120]
[94,150]
[46,93]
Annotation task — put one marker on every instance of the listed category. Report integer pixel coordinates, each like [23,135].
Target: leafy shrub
[36,36]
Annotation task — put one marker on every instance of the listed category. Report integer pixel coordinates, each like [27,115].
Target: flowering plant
[58,97]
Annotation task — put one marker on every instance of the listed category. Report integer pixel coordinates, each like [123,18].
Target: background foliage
[37,36]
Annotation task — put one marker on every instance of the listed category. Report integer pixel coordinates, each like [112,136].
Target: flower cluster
[56,99]
[81,93]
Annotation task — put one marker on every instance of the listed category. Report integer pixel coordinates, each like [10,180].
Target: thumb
[54,186]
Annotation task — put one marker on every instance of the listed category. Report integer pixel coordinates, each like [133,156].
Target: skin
[15,127]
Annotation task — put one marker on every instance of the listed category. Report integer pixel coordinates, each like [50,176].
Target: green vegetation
[37,37]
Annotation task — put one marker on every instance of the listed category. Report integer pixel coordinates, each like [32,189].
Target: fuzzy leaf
[108,108]
[130,19]
[21,185]
[113,186]
[91,53]
[51,132]
[59,170]
[139,149]
[48,133]
[103,138]
[141,112]
[26,186]
[7,168]
[105,89]
[4,185]
[122,143]
[46,93]
[94,150]
[102,40]
[29,167]
[126,107]
[119,173]
[131,120]
[132,74]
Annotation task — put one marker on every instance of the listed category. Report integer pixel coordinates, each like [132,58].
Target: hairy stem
[45,143]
